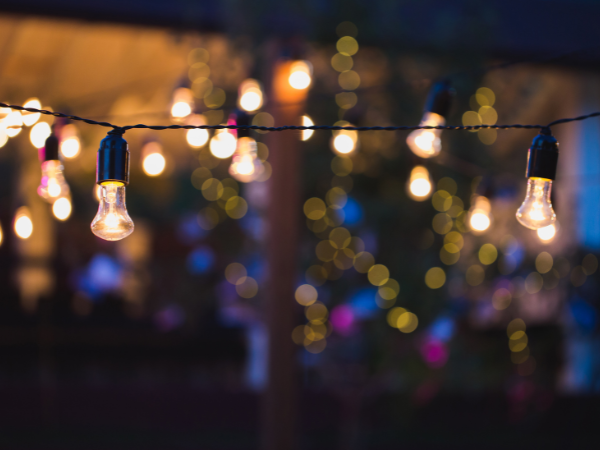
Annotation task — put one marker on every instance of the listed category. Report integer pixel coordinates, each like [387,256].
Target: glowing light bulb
[62,208]
[427,143]
[480,215]
[245,165]
[344,141]
[13,123]
[419,184]
[154,162]
[536,210]
[183,103]
[53,184]
[23,224]
[300,75]
[39,133]
[307,122]
[70,145]
[546,234]
[250,95]
[223,144]
[112,222]
[197,137]
[29,118]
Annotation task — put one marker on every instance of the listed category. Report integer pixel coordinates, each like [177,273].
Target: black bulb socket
[113,160]
[51,148]
[542,157]
[244,119]
[439,99]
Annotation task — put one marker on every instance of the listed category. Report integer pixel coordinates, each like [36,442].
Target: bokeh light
[223,144]
[307,122]
[23,225]
[300,75]
[61,208]
[70,144]
[29,118]
[39,133]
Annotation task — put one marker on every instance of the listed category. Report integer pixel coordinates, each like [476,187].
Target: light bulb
[250,95]
[70,145]
[307,122]
[62,208]
[153,161]
[344,142]
[419,184]
[223,144]
[182,104]
[542,158]
[23,224]
[39,133]
[300,75]
[197,137]
[480,217]
[536,211]
[245,165]
[112,222]
[427,143]
[53,184]
[29,118]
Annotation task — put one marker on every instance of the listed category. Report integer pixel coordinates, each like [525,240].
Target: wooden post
[284,210]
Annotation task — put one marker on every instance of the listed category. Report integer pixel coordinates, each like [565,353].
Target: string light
[480,217]
[23,225]
[427,143]
[30,118]
[39,133]
[153,161]
[112,222]
[245,165]
[542,158]
[62,208]
[250,95]
[419,184]
[197,137]
[307,122]
[183,103]
[300,75]
[52,184]
[344,142]
[70,145]
[536,211]
[223,144]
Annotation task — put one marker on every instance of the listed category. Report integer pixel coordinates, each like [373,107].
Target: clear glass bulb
[245,165]
[53,184]
[112,222]
[427,143]
[536,210]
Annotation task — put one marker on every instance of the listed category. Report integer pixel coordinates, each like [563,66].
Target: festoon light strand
[112,221]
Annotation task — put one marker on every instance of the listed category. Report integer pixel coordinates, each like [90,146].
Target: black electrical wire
[544,129]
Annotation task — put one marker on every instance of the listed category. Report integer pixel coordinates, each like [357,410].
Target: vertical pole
[279,407]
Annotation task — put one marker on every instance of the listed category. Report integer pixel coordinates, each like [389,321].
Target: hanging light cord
[545,129]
